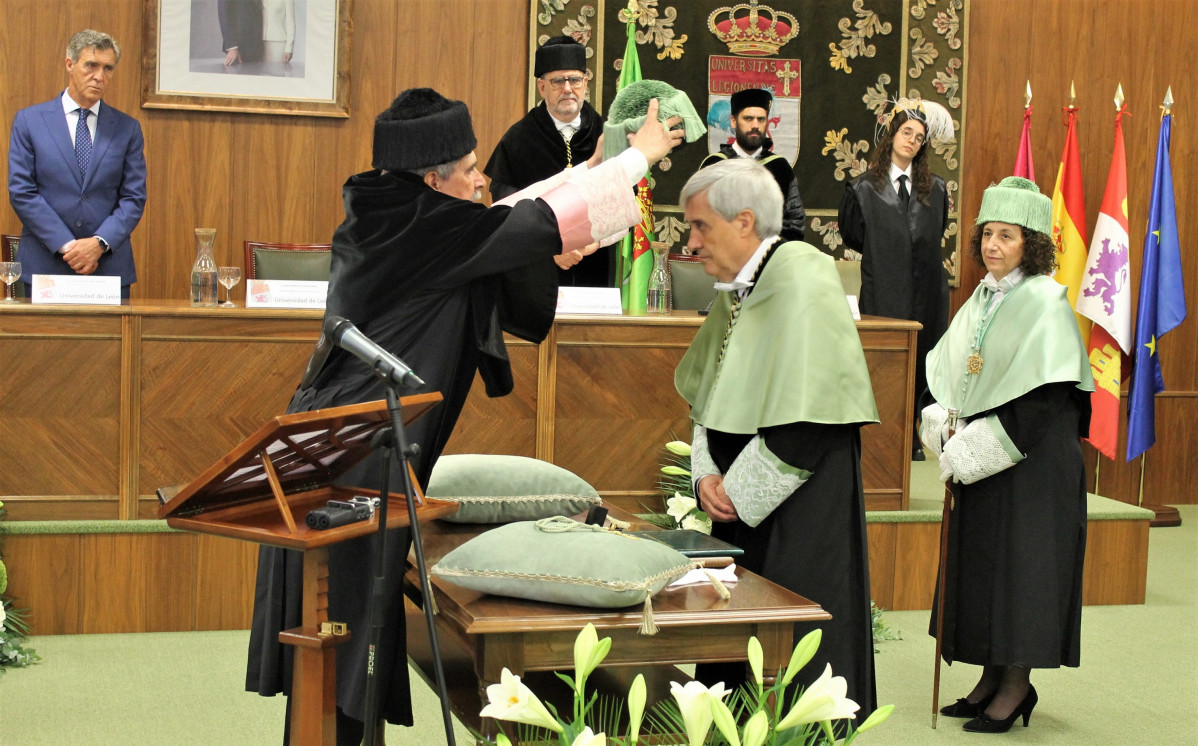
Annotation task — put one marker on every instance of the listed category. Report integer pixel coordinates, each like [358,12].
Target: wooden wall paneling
[77,420]
[44,577]
[269,159]
[881,538]
[1171,480]
[200,397]
[224,588]
[503,425]
[1115,577]
[499,52]
[112,585]
[168,565]
[917,547]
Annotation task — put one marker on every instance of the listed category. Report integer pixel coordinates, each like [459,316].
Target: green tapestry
[832,65]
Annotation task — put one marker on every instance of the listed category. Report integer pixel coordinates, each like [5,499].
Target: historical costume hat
[934,117]
[420,129]
[751,97]
[1017,201]
[628,109]
[559,53]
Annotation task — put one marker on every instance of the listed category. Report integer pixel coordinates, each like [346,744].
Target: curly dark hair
[1039,252]
[879,167]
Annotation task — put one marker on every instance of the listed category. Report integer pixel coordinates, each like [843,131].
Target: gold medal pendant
[973,364]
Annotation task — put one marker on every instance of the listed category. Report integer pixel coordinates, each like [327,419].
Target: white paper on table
[725,575]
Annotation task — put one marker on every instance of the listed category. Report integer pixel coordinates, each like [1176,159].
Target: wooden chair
[8,253]
[690,286]
[287,261]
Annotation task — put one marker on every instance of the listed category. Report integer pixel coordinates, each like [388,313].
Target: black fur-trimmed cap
[420,129]
[754,97]
[559,53]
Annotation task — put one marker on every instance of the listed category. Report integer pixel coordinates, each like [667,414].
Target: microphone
[391,369]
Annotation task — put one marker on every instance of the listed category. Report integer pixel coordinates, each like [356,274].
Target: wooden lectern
[262,491]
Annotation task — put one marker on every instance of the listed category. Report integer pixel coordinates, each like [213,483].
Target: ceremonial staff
[942,572]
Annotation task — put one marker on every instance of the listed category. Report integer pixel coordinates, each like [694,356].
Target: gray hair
[443,170]
[737,184]
[89,38]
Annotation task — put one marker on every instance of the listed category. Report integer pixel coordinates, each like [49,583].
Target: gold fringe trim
[648,626]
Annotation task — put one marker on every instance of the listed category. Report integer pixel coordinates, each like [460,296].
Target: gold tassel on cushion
[648,626]
[720,588]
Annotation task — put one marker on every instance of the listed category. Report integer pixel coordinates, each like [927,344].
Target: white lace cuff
[701,462]
[931,424]
[758,481]
[981,450]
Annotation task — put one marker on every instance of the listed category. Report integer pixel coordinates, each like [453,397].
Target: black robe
[794,217]
[1017,541]
[815,545]
[433,279]
[902,268]
[532,150]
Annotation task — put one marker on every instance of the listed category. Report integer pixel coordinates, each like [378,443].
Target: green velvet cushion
[563,561]
[281,264]
[499,489]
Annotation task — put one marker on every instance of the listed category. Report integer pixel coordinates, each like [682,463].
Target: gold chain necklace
[736,302]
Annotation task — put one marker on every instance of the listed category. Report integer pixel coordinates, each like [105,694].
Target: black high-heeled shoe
[983,723]
[963,708]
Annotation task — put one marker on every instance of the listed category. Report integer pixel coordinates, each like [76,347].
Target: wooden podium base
[1166,515]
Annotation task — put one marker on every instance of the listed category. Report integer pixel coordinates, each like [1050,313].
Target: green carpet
[1138,683]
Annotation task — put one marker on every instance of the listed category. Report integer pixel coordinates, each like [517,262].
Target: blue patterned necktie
[83,143]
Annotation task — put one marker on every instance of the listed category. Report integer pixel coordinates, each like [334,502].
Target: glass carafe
[658,300]
[203,272]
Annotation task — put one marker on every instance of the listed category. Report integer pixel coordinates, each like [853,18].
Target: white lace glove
[702,464]
[933,427]
[946,468]
[981,449]
[758,481]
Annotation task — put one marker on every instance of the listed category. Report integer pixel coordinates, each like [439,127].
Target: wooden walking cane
[941,574]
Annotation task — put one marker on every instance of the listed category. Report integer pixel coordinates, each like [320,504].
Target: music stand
[256,491]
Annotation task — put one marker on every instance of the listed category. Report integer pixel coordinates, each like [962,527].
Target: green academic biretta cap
[1017,201]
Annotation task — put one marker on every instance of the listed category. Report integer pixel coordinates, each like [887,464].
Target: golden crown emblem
[752,30]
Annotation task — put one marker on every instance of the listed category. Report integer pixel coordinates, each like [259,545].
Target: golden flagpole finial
[1027,97]
[1167,106]
[1072,96]
[1119,97]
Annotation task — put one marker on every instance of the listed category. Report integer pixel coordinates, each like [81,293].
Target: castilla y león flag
[1105,298]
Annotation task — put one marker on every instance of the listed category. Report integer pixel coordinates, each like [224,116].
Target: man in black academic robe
[434,278]
[778,387]
[750,116]
[559,132]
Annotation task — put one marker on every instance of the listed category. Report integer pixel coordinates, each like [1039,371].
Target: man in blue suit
[77,174]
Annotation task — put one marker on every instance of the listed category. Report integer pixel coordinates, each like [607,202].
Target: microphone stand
[383,442]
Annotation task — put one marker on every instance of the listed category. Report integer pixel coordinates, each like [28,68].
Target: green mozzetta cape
[793,356]
[1032,340]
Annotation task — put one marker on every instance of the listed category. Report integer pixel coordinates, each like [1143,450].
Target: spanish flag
[1069,220]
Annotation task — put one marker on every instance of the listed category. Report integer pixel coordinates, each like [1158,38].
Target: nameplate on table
[286,293]
[852,299]
[589,300]
[91,290]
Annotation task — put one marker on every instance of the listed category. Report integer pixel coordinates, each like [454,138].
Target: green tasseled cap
[1017,201]
[627,112]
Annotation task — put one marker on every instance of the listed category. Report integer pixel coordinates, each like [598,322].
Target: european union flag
[1162,304]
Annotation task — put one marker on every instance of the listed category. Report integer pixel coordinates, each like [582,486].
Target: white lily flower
[679,506]
[724,721]
[589,652]
[756,661]
[511,700]
[695,523]
[756,729]
[679,448]
[824,700]
[694,702]
[587,738]
[877,717]
[637,694]
[802,654]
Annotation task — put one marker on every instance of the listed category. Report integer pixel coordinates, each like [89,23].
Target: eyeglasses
[574,81]
[911,133]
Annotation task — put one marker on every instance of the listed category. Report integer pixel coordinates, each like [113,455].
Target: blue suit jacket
[56,205]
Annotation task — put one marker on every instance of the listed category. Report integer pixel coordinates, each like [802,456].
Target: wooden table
[694,624]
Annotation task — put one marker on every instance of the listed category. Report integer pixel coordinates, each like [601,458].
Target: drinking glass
[228,276]
[10,272]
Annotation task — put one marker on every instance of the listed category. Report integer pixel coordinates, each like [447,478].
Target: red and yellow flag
[1105,298]
[1069,220]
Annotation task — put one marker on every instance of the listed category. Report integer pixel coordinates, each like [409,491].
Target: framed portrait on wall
[255,56]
